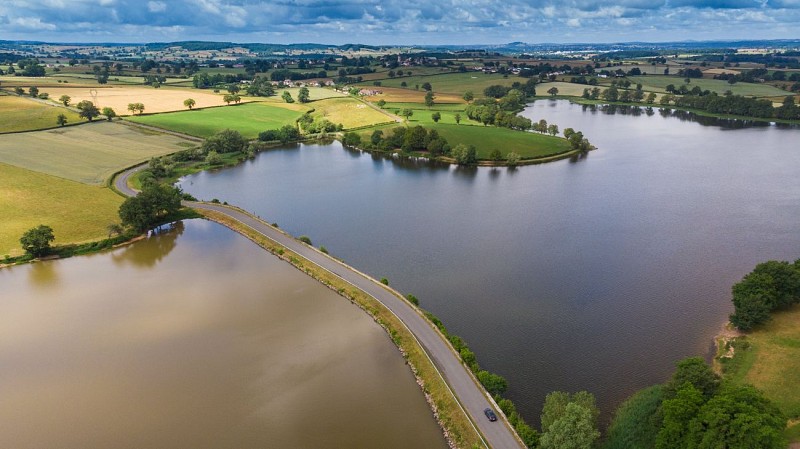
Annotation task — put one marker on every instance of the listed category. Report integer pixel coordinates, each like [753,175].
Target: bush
[637,420]
[412,299]
[384,281]
[305,239]
[351,139]
[226,141]
[494,383]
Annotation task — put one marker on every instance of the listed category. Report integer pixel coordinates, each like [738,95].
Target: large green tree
[153,203]
[225,141]
[88,110]
[573,429]
[36,241]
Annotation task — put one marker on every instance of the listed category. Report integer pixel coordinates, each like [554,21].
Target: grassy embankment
[25,114]
[458,426]
[59,179]
[769,358]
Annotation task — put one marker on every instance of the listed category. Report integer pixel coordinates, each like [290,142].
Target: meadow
[488,138]
[249,119]
[402,95]
[25,114]
[350,112]
[454,83]
[77,212]
[88,153]
[769,358]
[659,84]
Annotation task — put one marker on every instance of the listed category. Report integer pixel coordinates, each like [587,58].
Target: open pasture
[88,153]
[155,100]
[77,212]
[249,119]
[569,89]
[771,361]
[454,83]
[487,138]
[659,84]
[400,95]
[25,114]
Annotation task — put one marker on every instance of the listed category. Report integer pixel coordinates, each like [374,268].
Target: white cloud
[156,6]
[32,23]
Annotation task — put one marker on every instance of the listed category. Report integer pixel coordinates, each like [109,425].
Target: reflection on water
[684,116]
[43,276]
[161,242]
[221,346]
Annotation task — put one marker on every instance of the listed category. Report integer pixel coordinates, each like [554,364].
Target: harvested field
[154,100]
[76,212]
[349,112]
[25,114]
[88,153]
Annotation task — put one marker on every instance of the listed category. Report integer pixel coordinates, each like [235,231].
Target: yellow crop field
[154,100]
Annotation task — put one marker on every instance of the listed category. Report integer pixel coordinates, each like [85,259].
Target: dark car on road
[490,414]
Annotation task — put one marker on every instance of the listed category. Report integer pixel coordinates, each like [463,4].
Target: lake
[594,274]
[196,337]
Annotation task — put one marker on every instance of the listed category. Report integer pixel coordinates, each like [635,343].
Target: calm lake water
[196,338]
[595,274]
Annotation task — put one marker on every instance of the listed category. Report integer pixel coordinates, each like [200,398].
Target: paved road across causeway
[470,395]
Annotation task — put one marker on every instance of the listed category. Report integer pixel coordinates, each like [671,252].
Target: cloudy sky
[399,21]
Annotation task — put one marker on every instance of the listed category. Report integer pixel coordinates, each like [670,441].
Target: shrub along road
[472,397]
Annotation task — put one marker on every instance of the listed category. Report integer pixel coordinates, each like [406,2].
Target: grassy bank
[769,358]
[456,424]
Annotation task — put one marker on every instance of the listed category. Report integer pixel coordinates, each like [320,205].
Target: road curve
[472,397]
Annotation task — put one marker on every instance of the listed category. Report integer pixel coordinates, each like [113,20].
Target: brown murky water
[196,338]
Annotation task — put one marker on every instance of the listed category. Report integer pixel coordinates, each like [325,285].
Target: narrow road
[462,383]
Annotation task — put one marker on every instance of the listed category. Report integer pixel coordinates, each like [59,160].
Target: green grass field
[350,112]
[455,83]
[249,119]
[24,114]
[441,107]
[770,360]
[88,153]
[76,212]
[659,83]
[487,138]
